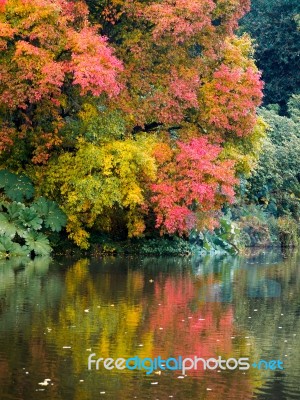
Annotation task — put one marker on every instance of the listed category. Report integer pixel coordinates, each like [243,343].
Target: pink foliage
[193,181]
[185,88]
[232,98]
[6,32]
[179,18]
[38,71]
[93,64]
[177,94]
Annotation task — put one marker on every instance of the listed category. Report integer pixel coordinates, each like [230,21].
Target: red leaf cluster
[191,181]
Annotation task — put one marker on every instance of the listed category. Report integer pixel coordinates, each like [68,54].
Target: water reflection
[54,314]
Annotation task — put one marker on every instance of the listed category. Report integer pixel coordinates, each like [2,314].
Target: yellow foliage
[97,180]
[77,233]
[88,111]
[238,51]
[245,150]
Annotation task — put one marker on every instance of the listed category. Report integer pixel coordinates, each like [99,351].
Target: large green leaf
[30,219]
[6,244]
[14,209]
[8,248]
[38,243]
[10,222]
[41,206]
[7,227]
[6,178]
[54,217]
[16,187]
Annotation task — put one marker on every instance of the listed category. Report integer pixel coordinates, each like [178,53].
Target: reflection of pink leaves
[207,331]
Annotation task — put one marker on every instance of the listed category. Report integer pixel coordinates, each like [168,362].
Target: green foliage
[289,232]
[99,124]
[273,24]
[245,151]
[21,224]
[30,219]
[8,226]
[294,108]
[38,243]
[257,227]
[275,182]
[163,246]
[54,218]
[224,239]
[9,248]
[16,187]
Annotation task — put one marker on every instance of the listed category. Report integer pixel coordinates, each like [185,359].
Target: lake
[55,314]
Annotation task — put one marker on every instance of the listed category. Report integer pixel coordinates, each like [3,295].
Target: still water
[55,313]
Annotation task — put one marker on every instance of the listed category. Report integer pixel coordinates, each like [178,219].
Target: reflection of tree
[118,313]
[196,329]
[27,292]
[275,326]
[117,307]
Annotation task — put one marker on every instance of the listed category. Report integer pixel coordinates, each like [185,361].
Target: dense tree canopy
[274,24]
[151,111]
[275,182]
[49,55]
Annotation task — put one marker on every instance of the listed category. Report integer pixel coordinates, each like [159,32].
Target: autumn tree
[159,125]
[50,56]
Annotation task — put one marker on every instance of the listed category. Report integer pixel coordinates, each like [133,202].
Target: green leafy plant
[16,187]
[275,182]
[224,239]
[273,24]
[24,227]
[54,218]
[9,248]
[289,231]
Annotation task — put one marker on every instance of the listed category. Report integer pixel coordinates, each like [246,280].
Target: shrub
[24,223]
